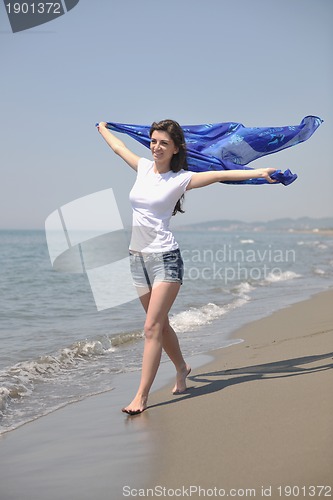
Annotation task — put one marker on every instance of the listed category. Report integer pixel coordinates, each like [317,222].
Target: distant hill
[286,224]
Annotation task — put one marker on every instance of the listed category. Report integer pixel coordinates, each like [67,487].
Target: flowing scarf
[229,146]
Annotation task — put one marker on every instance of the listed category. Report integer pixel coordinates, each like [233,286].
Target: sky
[258,62]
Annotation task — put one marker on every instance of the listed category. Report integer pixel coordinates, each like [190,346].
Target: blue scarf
[229,146]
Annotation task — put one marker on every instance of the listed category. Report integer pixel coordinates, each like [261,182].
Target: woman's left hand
[266,174]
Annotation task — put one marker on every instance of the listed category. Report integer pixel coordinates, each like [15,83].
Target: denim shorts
[150,268]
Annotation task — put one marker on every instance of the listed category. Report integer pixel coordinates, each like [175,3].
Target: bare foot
[180,386]
[138,405]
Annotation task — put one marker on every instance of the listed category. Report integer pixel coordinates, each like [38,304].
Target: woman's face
[162,147]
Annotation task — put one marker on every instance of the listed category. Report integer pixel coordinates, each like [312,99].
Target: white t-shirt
[153,198]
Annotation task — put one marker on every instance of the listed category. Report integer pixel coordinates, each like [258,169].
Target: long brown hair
[179,160]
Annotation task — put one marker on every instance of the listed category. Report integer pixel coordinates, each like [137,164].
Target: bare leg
[161,299]
[172,348]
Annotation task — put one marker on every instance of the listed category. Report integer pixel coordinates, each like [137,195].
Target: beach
[258,416]
[255,421]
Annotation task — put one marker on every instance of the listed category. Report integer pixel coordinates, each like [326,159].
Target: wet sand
[257,416]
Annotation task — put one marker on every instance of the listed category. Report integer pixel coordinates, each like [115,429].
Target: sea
[57,348]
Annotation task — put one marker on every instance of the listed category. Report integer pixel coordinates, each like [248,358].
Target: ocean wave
[196,317]
[126,338]
[319,272]
[313,244]
[19,381]
[22,374]
[282,276]
[243,289]
[4,396]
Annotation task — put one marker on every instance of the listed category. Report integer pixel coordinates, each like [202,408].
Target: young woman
[155,259]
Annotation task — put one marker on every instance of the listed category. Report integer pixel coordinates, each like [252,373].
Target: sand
[259,416]
[256,420]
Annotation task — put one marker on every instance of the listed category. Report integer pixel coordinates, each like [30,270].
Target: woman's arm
[201,179]
[118,146]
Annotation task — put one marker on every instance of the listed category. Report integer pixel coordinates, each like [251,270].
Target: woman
[156,263]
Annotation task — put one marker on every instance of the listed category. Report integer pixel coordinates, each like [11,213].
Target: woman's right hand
[118,146]
[101,125]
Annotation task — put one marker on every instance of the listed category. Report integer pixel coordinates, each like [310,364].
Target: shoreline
[267,389]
